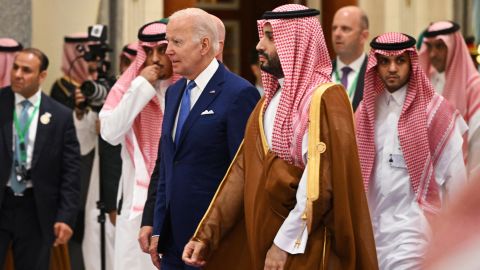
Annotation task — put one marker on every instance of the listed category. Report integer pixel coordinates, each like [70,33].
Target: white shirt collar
[398,96]
[204,77]
[281,81]
[33,99]
[355,65]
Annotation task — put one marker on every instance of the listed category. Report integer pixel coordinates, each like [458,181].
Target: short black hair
[40,55]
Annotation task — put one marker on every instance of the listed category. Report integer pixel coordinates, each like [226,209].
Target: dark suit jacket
[358,96]
[190,173]
[55,163]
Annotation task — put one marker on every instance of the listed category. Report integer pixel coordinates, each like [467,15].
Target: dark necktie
[344,80]
[19,186]
[184,110]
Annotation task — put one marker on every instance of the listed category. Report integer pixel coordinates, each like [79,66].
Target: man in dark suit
[205,115]
[349,34]
[40,159]
[146,229]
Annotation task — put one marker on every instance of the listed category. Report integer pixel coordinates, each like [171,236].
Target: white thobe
[438,82]
[473,164]
[88,140]
[400,227]
[115,125]
[294,227]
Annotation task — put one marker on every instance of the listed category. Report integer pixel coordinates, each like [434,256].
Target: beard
[272,66]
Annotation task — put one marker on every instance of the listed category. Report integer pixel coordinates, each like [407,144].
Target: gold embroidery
[315,149]
[262,131]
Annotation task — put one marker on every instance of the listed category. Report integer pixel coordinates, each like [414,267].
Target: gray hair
[203,25]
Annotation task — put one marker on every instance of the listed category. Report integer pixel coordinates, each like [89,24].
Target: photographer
[76,70]
[132,116]
[84,88]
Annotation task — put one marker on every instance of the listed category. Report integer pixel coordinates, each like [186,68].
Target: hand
[144,238]
[153,251]
[194,253]
[79,99]
[62,232]
[112,215]
[276,258]
[151,73]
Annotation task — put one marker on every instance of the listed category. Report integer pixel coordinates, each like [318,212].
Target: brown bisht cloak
[259,191]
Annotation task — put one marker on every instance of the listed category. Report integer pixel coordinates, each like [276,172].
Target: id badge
[21,173]
[397,161]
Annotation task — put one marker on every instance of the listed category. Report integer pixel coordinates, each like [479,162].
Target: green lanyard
[353,85]
[22,132]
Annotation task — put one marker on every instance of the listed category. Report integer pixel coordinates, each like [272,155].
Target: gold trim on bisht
[262,130]
[64,88]
[315,148]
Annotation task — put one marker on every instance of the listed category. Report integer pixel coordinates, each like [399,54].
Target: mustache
[262,53]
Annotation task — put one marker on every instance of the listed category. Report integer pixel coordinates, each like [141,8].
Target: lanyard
[22,132]
[353,85]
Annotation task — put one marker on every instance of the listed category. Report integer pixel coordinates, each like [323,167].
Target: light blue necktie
[184,110]
[19,186]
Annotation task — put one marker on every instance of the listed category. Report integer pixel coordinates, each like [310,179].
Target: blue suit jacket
[55,169]
[190,173]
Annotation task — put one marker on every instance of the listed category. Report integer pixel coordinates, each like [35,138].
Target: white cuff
[291,245]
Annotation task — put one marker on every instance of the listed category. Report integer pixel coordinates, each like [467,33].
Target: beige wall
[53,19]
[138,12]
[407,16]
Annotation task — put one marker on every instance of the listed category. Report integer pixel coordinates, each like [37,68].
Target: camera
[95,91]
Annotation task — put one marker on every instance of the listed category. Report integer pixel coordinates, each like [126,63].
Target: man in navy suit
[205,115]
[40,161]
[349,34]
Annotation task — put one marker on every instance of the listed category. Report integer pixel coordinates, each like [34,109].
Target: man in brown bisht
[293,197]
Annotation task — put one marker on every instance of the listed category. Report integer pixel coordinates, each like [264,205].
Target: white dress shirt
[293,228]
[438,82]
[355,66]
[32,130]
[201,82]
[400,227]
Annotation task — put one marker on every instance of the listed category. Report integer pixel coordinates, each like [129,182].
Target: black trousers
[20,227]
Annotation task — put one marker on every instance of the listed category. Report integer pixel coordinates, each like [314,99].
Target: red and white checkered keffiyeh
[305,62]
[462,80]
[73,65]
[7,56]
[147,126]
[132,47]
[424,127]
